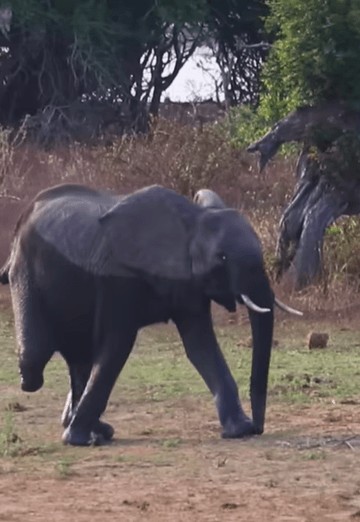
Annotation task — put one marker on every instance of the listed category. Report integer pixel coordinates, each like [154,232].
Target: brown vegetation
[186,159]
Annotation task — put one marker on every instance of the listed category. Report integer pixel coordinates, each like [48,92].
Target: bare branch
[260,45]
[300,124]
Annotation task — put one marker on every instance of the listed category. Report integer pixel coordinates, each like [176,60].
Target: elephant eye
[222,257]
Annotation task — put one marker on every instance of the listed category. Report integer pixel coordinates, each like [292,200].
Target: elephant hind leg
[35,338]
[79,375]
[85,426]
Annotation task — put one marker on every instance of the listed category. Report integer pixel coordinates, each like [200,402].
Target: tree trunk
[319,199]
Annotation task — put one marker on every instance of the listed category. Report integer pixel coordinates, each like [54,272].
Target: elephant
[208,198]
[88,269]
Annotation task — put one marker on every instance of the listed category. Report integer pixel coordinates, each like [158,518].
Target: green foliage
[342,250]
[339,159]
[315,55]
[314,58]
[244,125]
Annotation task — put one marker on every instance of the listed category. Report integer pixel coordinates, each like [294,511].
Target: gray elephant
[208,198]
[88,269]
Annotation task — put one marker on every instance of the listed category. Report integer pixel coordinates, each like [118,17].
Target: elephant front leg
[204,353]
[83,429]
[79,375]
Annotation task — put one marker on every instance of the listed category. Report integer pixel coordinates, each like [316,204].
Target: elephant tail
[4,273]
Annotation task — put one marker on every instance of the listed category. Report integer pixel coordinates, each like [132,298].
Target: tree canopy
[60,52]
[57,55]
[314,57]
[237,34]
[311,95]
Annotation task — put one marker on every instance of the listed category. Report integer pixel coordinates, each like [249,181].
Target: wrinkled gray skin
[88,269]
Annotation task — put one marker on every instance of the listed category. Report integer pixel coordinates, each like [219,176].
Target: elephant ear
[145,233]
[205,240]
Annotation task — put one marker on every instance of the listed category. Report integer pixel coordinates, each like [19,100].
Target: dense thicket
[237,35]
[59,53]
[62,61]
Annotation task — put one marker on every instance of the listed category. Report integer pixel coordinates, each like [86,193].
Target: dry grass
[184,158]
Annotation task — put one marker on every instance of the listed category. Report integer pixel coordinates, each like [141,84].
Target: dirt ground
[167,463]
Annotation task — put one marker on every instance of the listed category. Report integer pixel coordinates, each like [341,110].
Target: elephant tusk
[253,306]
[287,308]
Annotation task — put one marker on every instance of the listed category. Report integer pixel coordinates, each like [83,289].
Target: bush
[314,57]
[186,159]
[342,251]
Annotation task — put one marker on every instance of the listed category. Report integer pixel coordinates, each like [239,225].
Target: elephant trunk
[262,334]
[31,379]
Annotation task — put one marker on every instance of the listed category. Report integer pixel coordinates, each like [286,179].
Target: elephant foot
[101,429]
[82,437]
[104,430]
[237,430]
